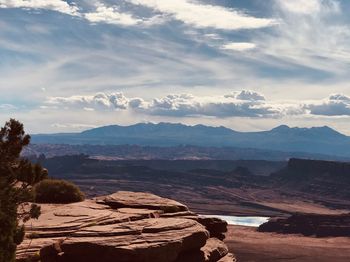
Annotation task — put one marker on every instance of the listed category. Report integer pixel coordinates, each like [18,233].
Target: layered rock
[310,224]
[124,226]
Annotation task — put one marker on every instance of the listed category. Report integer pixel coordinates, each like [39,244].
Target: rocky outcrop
[316,177]
[125,226]
[310,224]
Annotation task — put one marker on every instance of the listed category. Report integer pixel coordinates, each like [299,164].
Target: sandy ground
[249,245]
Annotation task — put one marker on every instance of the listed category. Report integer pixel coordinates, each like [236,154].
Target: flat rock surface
[142,200]
[125,226]
[250,245]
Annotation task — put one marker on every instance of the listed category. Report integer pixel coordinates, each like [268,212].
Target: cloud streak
[204,16]
[239,46]
[111,15]
[310,34]
[54,5]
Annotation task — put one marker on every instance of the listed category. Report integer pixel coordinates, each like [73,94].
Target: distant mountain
[315,140]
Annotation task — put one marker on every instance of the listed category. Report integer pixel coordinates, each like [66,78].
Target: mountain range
[315,140]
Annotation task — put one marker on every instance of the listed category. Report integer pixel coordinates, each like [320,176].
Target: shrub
[57,191]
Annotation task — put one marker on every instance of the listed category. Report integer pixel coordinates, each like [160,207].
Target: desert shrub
[57,191]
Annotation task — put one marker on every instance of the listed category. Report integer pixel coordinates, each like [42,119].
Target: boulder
[124,227]
[216,226]
[213,250]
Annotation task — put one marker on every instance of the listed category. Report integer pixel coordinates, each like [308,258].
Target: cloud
[240,104]
[54,5]
[111,15]
[311,35]
[192,13]
[246,95]
[175,105]
[241,109]
[7,107]
[136,103]
[72,126]
[300,6]
[100,101]
[334,105]
[244,103]
[204,16]
[309,7]
[239,46]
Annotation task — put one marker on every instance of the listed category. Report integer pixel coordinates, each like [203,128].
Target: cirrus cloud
[309,7]
[111,15]
[239,46]
[204,15]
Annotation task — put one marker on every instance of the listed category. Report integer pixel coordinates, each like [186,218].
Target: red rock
[96,230]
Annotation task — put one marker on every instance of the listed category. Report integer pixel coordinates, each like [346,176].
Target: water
[242,221]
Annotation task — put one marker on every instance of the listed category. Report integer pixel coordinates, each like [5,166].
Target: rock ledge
[124,227]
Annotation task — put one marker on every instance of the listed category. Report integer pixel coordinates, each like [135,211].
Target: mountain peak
[323,131]
[326,130]
[281,128]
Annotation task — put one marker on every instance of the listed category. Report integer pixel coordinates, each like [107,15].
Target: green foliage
[16,178]
[57,191]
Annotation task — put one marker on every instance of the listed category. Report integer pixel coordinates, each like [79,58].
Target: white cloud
[309,7]
[334,105]
[239,46]
[202,16]
[111,15]
[176,105]
[100,101]
[74,126]
[240,104]
[246,95]
[244,103]
[300,6]
[55,5]
[311,34]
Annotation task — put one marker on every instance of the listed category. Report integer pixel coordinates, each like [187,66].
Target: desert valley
[226,185]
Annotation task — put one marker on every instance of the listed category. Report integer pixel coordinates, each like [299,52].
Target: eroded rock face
[124,227]
[310,224]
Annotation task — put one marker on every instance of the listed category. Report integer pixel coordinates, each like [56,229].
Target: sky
[250,65]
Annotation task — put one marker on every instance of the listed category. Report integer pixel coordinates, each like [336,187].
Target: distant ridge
[314,140]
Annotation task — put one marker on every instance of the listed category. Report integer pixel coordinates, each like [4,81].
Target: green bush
[57,191]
